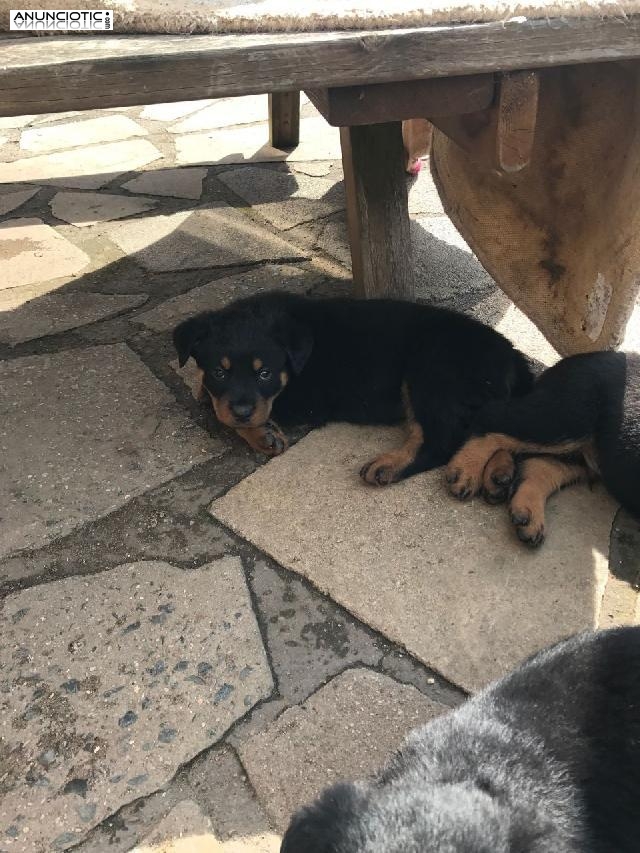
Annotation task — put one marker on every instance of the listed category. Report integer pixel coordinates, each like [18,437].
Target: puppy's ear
[297,340]
[328,825]
[187,334]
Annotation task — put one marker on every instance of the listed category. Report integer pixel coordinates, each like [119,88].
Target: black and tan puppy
[311,361]
[545,761]
[583,415]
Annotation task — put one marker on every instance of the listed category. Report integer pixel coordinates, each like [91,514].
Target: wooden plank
[381,102]
[284,119]
[377,210]
[517,113]
[63,73]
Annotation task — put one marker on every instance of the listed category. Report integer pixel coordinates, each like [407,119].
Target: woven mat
[230,16]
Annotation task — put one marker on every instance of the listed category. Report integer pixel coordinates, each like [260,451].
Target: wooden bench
[366,83]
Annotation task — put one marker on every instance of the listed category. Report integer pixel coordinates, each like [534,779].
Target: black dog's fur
[362,361]
[545,761]
[587,404]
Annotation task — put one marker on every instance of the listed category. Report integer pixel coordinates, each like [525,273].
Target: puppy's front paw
[268,439]
[527,515]
[464,472]
[381,471]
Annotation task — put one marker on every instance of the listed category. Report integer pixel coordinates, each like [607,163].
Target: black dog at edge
[545,761]
[311,361]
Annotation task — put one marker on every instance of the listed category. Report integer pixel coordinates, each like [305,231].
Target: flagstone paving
[194,641]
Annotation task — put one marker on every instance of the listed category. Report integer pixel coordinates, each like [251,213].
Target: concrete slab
[186,829]
[178,183]
[214,236]
[347,730]
[423,195]
[226,112]
[57,312]
[333,240]
[448,581]
[76,133]
[285,199]
[11,122]
[216,294]
[171,112]
[84,209]
[82,168]
[13,196]
[96,428]
[31,251]
[112,682]
[310,640]
[317,169]
[318,141]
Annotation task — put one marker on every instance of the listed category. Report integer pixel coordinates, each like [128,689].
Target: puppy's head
[418,817]
[246,360]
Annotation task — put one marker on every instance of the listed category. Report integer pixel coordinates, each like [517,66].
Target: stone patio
[179,668]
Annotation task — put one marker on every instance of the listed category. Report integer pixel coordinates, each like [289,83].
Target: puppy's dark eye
[219,373]
[265,374]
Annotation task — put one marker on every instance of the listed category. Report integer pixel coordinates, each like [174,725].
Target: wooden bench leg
[284,119]
[377,209]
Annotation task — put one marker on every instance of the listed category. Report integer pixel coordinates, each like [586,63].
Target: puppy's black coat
[311,361]
[545,761]
[586,404]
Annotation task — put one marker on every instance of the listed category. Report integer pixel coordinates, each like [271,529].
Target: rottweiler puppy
[582,415]
[547,760]
[310,361]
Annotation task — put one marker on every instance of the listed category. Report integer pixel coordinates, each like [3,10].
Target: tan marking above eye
[257,363]
[225,362]
[284,378]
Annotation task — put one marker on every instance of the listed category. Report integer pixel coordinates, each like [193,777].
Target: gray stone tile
[423,195]
[10,122]
[31,251]
[448,581]
[216,294]
[283,198]
[112,682]
[81,432]
[333,240]
[84,209]
[172,112]
[82,168]
[178,183]
[76,133]
[13,196]
[214,236]
[526,336]
[57,312]
[309,639]
[318,141]
[226,112]
[317,169]
[347,730]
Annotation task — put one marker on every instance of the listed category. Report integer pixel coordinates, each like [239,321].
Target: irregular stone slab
[58,312]
[17,296]
[83,168]
[9,122]
[50,118]
[179,183]
[347,730]
[448,581]
[214,236]
[111,682]
[216,294]
[423,195]
[171,112]
[76,133]
[284,199]
[31,251]
[315,170]
[318,141]
[333,240]
[105,430]
[3,139]
[186,829]
[13,196]
[226,112]
[83,209]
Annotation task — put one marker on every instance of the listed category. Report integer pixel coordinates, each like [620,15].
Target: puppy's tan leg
[541,477]
[268,439]
[388,467]
[499,474]
[416,135]
[465,470]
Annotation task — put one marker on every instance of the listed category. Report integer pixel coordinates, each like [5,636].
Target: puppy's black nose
[241,411]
